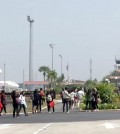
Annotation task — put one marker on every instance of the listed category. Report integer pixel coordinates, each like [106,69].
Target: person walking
[1,106]
[23,103]
[3,101]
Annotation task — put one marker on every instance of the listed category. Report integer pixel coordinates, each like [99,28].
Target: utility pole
[30,50]
[61,66]
[5,77]
[91,69]
[52,47]
[23,79]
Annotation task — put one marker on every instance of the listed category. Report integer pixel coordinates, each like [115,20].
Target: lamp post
[52,46]
[61,63]
[5,77]
[30,50]
[23,80]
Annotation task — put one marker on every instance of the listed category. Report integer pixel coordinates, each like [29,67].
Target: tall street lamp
[61,64]
[4,76]
[52,46]
[30,50]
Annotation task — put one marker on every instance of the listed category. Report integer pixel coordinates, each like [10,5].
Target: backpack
[49,97]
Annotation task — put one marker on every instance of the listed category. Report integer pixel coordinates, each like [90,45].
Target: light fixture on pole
[61,63]
[52,46]
[30,50]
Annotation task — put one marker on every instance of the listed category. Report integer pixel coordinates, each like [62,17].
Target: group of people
[39,96]
[73,98]
[19,102]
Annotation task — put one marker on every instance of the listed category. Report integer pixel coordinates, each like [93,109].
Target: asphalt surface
[58,116]
[105,122]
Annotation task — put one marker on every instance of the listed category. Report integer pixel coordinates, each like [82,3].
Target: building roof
[36,82]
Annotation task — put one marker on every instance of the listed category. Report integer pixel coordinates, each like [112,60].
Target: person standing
[66,97]
[72,94]
[35,101]
[41,95]
[49,99]
[80,95]
[88,98]
[15,98]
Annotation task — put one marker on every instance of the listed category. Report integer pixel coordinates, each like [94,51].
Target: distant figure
[15,97]
[80,95]
[41,96]
[23,103]
[88,97]
[95,99]
[66,97]
[72,94]
[3,101]
[49,100]
[35,101]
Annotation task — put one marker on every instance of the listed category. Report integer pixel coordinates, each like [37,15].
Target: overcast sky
[80,29]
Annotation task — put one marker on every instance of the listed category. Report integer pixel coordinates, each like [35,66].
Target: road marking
[109,125]
[43,128]
[4,126]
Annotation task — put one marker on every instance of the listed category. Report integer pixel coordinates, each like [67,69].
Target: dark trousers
[4,107]
[24,108]
[15,110]
[93,105]
[65,103]
[40,104]
[96,105]
[88,105]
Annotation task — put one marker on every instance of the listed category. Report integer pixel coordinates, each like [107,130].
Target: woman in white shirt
[23,103]
[72,94]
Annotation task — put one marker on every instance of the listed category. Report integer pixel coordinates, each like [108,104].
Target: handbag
[52,104]
[18,101]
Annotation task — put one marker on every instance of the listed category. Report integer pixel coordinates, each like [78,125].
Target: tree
[90,84]
[45,71]
[60,78]
[52,76]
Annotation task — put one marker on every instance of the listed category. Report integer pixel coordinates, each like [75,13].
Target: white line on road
[109,125]
[4,126]
[43,128]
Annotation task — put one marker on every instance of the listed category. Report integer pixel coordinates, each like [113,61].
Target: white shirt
[65,94]
[22,98]
[72,94]
[80,94]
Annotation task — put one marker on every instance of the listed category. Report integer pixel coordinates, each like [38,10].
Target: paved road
[58,122]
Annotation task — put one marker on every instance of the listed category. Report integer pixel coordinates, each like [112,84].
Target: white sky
[80,30]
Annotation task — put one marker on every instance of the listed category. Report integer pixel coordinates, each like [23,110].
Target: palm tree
[45,71]
[52,76]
